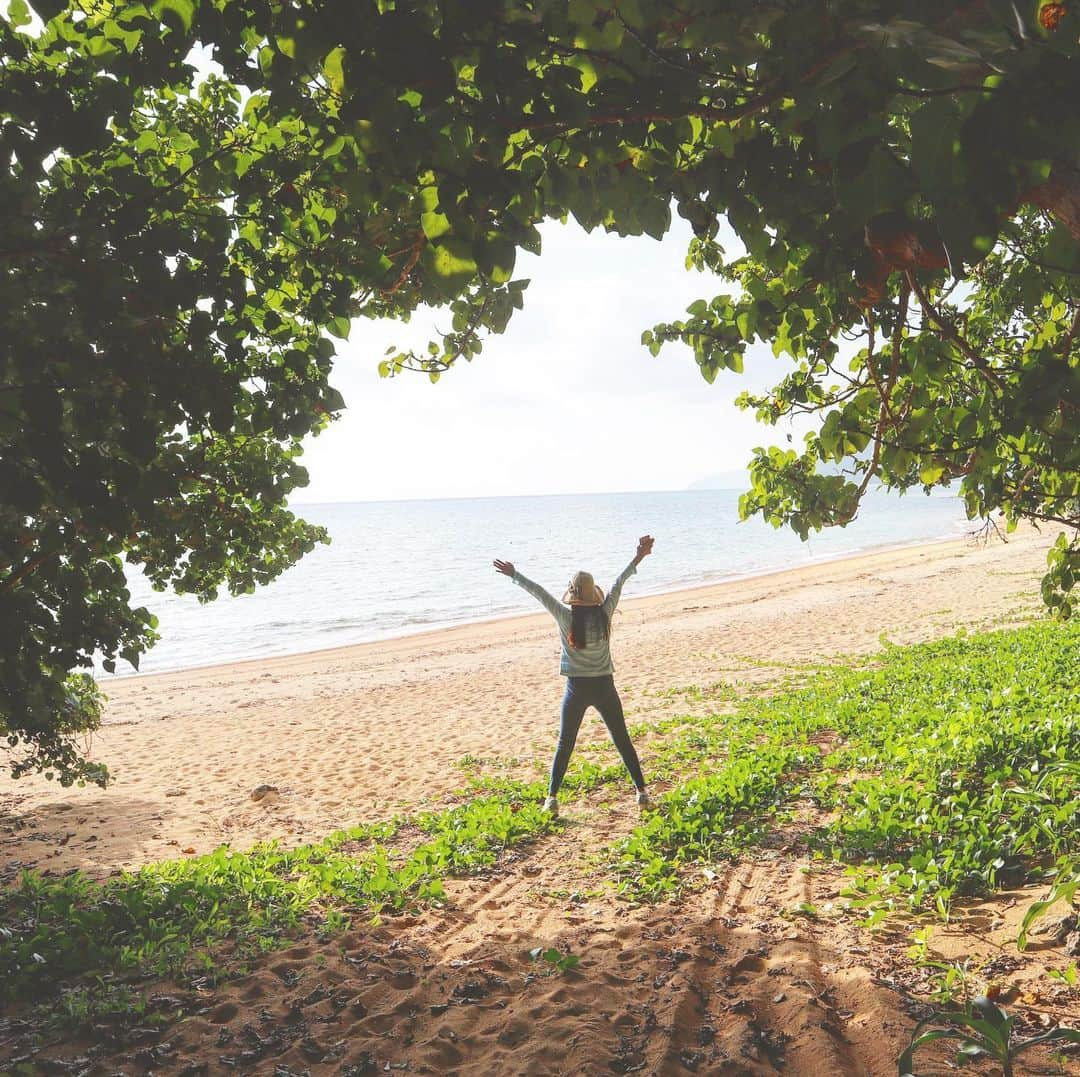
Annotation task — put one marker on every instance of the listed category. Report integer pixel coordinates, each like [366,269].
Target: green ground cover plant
[555,958]
[704,818]
[941,770]
[984,1031]
[170,916]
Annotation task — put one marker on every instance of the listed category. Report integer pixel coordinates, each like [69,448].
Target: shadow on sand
[95,836]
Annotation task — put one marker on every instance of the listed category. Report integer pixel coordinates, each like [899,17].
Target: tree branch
[30,566]
[952,333]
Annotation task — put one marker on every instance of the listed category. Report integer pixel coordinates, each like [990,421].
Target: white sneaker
[643,799]
[551,805]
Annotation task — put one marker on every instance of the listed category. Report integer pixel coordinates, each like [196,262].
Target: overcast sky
[566,401]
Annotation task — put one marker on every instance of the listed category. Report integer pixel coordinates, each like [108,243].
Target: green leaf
[18,13]
[655,218]
[587,67]
[182,10]
[48,9]
[432,222]
[990,1012]
[1061,250]
[906,1062]
[496,259]
[334,70]
[1066,1035]
[721,138]
[935,145]
[882,186]
[339,327]
[452,263]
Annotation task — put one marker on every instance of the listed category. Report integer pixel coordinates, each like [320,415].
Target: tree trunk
[1060,196]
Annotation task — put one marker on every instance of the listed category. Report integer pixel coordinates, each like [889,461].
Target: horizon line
[575,493]
[503,497]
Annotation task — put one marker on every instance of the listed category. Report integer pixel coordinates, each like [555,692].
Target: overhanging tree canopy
[173,250]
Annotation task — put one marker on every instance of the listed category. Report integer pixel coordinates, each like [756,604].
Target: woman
[585,628]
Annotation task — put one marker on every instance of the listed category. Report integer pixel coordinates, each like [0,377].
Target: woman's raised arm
[549,602]
[644,548]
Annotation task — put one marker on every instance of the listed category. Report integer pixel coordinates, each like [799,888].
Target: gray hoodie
[594,659]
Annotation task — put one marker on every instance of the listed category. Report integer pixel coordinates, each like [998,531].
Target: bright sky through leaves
[566,401]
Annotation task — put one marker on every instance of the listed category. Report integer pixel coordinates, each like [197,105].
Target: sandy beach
[721,980]
[356,734]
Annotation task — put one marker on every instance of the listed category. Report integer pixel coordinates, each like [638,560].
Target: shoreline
[361,733]
[439,628]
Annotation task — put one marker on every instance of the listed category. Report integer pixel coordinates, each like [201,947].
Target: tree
[175,246]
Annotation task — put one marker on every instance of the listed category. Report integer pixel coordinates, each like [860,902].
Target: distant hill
[740,480]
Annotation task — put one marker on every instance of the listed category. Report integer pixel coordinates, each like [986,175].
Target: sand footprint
[749,964]
[224,1013]
[380,1023]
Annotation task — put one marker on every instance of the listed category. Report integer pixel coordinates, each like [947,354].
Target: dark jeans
[598,692]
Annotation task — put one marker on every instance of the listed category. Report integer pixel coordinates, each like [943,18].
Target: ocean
[399,567]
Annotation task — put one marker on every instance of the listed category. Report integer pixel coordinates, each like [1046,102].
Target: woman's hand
[644,548]
[505,567]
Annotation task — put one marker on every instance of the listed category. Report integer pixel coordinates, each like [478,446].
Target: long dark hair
[581,617]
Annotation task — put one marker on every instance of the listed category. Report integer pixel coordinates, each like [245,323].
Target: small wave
[345,595]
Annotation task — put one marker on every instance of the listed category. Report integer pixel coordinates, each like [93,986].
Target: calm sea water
[400,567]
